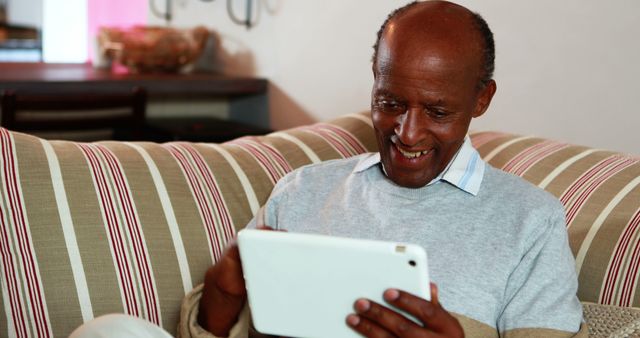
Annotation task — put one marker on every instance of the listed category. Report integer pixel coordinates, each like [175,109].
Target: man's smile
[412,154]
[412,159]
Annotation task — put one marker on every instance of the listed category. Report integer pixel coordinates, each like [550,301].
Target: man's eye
[439,114]
[389,105]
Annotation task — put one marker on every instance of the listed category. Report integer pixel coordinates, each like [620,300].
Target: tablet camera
[412,262]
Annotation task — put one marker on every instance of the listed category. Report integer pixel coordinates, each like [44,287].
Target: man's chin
[409,182]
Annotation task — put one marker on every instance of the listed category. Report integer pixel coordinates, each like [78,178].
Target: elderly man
[497,245]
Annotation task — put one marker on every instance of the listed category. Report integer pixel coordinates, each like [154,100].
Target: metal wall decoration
[167,14]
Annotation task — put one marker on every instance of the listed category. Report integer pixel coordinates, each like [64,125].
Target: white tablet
[302,285]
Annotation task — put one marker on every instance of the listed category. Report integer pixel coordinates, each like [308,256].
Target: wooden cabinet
[245,98]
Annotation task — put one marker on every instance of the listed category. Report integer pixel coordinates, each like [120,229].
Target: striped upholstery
[96,228]
[89,229]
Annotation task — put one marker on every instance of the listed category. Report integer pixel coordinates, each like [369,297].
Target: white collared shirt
[464,171]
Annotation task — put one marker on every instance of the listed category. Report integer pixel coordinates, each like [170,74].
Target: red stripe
[323,135]
[33,284]
[285,166]
[213,189]
[264,162]
[631,278]
[14,295]
[533,158]
[114,232]
[270,153]
[597,182]
[203,206]
[134,229]
[480,139]
[109,221]
[339,142]
[273,156]
[337,137]
[614,270]
[128,221]
[612,273]
[523,155]
[263,159]
[536,158]
[334,143]
[348,137]
[116,245]
[9,273]
[568,195]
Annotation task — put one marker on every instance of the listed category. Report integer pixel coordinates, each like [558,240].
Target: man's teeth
[409,154]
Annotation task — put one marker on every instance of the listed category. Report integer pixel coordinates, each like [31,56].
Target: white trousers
[119,326]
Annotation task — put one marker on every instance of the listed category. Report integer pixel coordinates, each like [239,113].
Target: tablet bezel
[304,285]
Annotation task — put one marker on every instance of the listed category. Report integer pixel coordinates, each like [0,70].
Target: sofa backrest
[96,228]
[88,229]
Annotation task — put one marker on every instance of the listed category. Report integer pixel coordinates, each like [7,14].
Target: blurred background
[566,70]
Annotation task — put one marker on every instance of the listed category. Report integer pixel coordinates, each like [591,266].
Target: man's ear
[373,69]
[484,98]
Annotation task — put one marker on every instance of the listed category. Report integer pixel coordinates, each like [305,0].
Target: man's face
[423,99]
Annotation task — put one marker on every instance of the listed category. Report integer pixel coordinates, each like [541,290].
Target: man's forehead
[406,57]
[428,36]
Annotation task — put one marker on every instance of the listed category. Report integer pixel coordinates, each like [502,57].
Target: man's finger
[366,327]
[431,313]
[386,318]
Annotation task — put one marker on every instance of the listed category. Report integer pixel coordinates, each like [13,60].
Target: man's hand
[375,321]
[224,292]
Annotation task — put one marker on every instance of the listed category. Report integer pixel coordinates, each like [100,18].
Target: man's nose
[411,126]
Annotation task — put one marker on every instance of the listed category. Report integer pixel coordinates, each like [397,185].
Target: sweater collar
[464,171]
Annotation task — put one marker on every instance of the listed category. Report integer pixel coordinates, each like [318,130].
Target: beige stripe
[244,181]
[71,241]
[359,116]
[552,175]
[307,151]
[503,146]
[113,255]
[584,247]
[83,205]
[37,289]
[191,228]
[167,207]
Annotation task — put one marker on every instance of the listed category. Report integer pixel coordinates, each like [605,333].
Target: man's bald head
[447,22]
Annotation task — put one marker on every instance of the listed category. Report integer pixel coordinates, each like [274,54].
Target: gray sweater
[500,258]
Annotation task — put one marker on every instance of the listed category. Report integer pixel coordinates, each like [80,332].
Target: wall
[25,12]
[565,69]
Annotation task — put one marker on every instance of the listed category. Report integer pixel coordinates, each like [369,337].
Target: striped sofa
[96,228]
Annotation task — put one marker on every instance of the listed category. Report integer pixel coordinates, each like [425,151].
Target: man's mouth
[412,154]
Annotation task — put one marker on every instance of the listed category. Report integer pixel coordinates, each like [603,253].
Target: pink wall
[121,13]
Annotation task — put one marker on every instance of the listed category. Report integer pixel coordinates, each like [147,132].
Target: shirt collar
[464,171]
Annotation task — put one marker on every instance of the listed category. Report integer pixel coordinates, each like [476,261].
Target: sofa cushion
[96,228]
[600,191]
